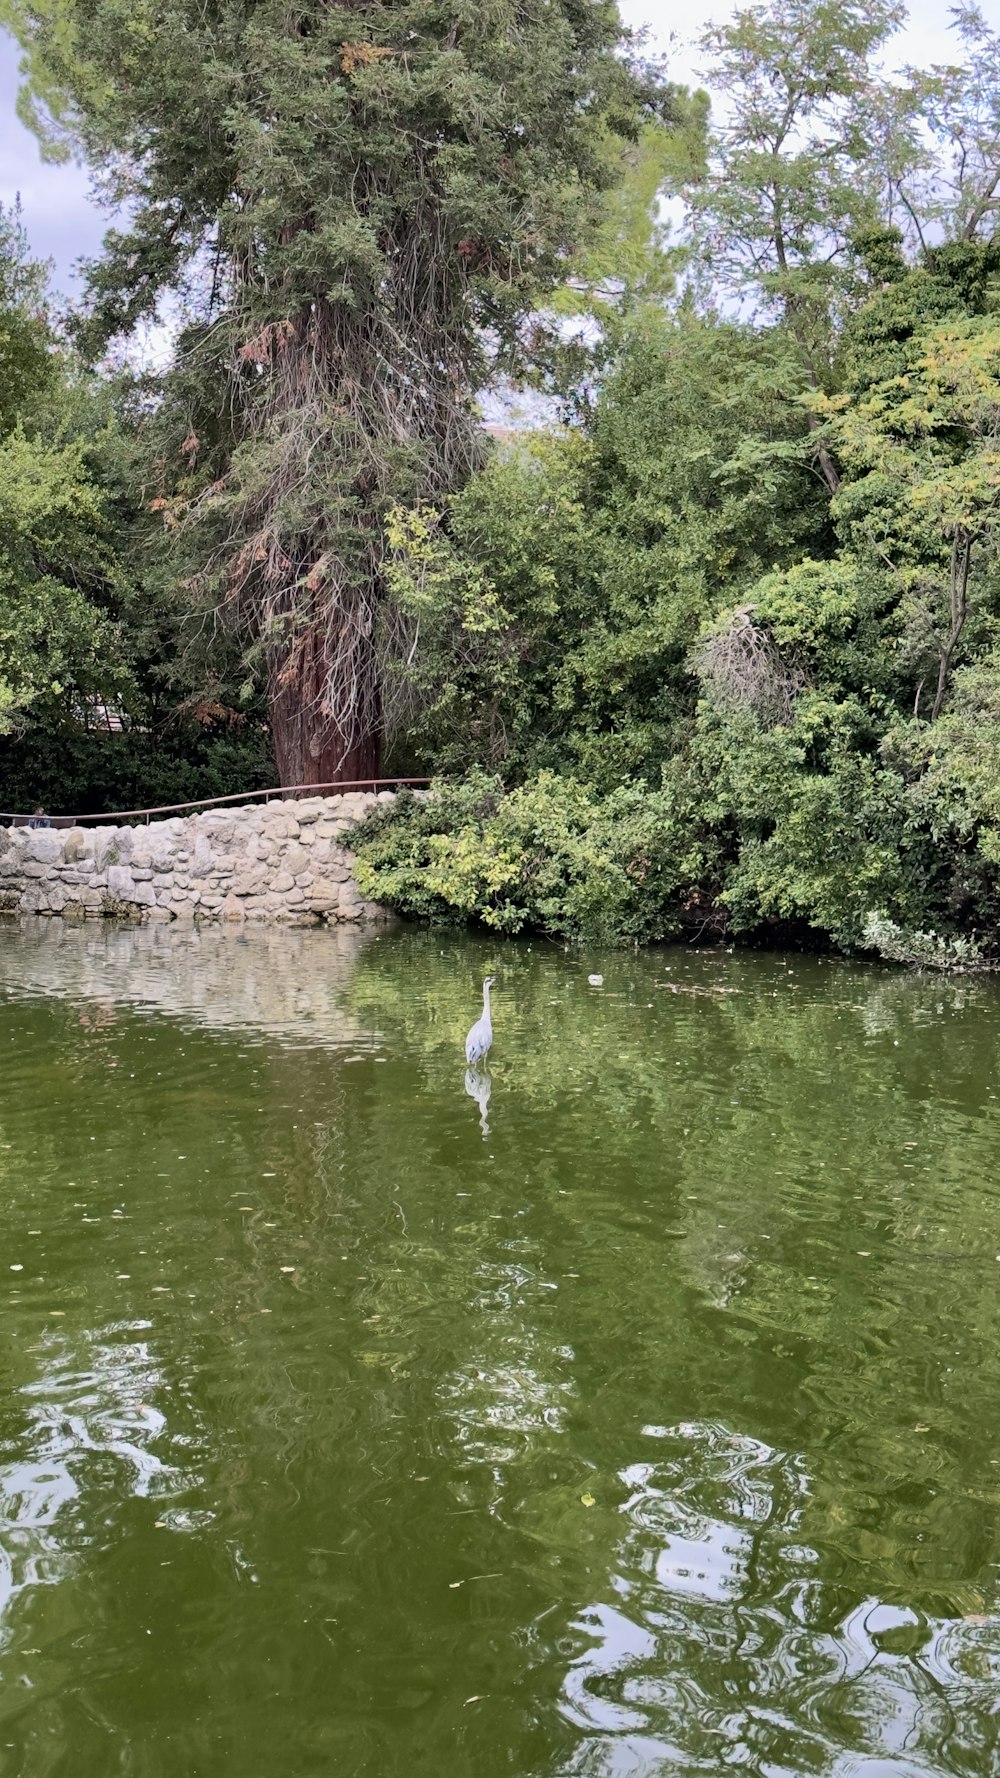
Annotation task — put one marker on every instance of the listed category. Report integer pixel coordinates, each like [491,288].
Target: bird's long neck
[486,999]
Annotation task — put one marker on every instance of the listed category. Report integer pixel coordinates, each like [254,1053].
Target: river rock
[77,844]
[44,844]
[121,884]
[284,862]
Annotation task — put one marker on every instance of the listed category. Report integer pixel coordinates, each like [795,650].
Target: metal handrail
[282,791]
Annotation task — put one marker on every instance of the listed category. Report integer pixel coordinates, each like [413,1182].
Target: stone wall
[283,861]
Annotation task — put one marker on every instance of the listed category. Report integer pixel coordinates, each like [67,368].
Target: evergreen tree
[363,208]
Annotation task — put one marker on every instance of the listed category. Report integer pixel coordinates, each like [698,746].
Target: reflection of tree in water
[782,1438]
[744,1191]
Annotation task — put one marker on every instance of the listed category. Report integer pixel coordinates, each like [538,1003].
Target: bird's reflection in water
[479,1086]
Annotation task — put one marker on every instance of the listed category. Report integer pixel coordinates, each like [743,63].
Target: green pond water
[643,1418]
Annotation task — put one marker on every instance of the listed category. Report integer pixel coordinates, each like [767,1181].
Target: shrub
[550,857]
[928,950]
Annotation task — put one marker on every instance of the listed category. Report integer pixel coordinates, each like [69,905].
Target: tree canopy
[364,212]
[712,647]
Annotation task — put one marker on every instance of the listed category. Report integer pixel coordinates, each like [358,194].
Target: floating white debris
[596,981]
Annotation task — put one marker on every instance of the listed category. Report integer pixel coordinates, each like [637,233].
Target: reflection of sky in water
[84,1427]
[498,1410]
[460,1413]
[700,1665]
[520,1386]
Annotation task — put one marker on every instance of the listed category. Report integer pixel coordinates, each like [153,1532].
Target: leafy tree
[59,573]
[935,138]
[631,258]
[550,618]
[87,620]
[928,440]
[549,856]
[53,554]
[26,364]
[791,178]
[364,209]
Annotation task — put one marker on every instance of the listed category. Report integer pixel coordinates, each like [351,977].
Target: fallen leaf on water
[476,1698]
[288,1268]
[921,1428]
[588,1500]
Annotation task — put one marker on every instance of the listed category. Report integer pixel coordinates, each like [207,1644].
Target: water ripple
[701,1655]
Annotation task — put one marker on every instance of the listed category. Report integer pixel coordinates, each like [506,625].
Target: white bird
[480,1039]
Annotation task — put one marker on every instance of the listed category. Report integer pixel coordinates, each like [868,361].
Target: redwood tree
[360,209]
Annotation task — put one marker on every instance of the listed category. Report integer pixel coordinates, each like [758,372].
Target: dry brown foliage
[741,667]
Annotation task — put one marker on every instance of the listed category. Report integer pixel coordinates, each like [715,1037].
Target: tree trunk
[828,468]
[310,746]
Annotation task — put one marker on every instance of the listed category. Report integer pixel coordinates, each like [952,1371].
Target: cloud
[60,215]
[927,39]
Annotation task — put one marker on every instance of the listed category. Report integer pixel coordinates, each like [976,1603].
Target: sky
[64,224]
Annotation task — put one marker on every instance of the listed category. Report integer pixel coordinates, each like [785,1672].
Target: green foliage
[87,618]
[585,587]
[61,579]
[550,615]
[548,857]
[718,650]
[364,210]
[630,259]
[792,175]
[928,950]
[71,769]
[916,430]
[54,556]
[27,368]
[819,827]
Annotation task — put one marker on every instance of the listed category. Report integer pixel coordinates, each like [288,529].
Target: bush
[928,950]
[70,770]
[548,857]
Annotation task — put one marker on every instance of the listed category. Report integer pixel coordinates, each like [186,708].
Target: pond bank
[287,862]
